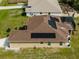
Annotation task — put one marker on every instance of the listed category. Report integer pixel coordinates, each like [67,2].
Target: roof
[69,21]
[38,24]
[67,26]
[17,1]
[44,6]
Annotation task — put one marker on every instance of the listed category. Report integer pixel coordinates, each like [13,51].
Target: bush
[24,27]
[72,3]
[49,43]
[16,28]
[8,30]
[24,14]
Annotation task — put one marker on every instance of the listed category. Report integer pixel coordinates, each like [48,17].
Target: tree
[76,5]
[72,3]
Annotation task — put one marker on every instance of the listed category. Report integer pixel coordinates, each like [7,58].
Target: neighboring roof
[17,1]
[38,24]
[44,6]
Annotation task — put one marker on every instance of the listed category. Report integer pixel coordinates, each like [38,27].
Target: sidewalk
[11,7]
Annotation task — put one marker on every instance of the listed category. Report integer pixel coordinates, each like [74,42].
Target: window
[41,42]
[49,13]
[49,43]
[61,43]
[43,35]
[31,13]
[40,12]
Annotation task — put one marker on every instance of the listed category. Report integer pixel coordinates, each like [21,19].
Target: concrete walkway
[11,7]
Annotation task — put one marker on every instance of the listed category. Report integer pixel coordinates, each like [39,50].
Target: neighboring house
[43,7]
[17,1]
[42,31]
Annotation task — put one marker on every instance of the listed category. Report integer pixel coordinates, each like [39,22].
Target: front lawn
[10,19]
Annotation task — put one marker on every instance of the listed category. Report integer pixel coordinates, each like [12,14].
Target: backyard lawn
[10,19]
[13,18]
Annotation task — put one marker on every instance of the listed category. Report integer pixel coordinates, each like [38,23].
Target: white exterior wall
[37,45]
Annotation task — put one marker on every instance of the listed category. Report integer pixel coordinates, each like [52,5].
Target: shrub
[8,30]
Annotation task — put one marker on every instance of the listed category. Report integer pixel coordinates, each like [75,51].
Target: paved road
[11,7]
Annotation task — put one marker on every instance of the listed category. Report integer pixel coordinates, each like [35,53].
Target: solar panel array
[43,35]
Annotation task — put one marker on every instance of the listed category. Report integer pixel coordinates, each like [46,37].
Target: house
[17,1]
[43,7]
[42,31]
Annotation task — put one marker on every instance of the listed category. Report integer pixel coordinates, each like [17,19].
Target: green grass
[10,19]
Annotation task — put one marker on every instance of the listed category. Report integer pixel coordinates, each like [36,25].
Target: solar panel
[52,23]
[43,35]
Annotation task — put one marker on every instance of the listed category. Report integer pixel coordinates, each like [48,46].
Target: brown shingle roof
[38,24]
[24,36]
